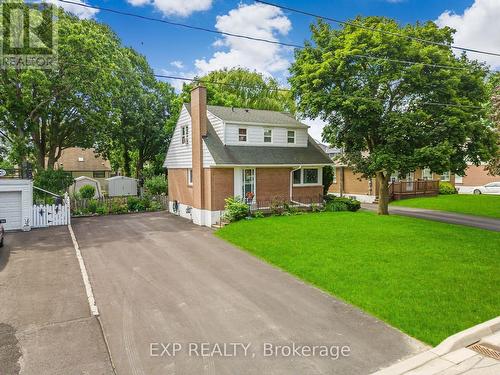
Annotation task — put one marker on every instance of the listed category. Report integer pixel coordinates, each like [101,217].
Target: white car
[491,188]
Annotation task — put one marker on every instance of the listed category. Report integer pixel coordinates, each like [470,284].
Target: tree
[146,109]
[42,112]
[379,111]
[494,83]
[242,88]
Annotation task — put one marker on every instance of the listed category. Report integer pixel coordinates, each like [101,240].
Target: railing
[410,189]
[25,172]
[279,204]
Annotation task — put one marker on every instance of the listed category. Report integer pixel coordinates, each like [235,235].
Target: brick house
[218,152]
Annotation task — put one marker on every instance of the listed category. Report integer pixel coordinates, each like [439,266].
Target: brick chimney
[199,130]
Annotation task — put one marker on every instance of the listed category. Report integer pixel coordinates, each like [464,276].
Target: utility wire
[213,31]
[199,80]
[341,22]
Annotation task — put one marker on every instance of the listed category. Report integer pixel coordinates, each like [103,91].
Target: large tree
[146,110]
[381,112]
[42,112]
[239,87]
[494,83]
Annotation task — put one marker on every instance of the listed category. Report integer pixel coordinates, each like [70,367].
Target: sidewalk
[443,216]
[45,322]
[474,351]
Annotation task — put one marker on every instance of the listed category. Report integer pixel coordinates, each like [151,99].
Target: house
[81,162]
[475,175]
[219,152]
[346,182]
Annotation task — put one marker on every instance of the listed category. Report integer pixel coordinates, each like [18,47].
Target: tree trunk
[383,193]
[126,163]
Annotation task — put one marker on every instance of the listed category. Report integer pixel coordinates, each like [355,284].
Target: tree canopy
[381,112]
[240,87]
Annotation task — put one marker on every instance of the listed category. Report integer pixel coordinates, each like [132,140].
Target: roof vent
[80,158]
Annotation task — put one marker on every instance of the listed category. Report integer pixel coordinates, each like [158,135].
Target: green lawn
[479,205]
[428,279]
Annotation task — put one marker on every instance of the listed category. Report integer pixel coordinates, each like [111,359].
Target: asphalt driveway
[45,322]
[160,280]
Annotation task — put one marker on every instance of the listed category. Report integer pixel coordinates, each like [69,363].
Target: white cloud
[177,64]
[182,8]
[316,128]
[478,27]
[256,20]
[79,11]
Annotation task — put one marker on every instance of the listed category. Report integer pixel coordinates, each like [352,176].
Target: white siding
[218,125]
[180,155]
[16,195]
[255,136]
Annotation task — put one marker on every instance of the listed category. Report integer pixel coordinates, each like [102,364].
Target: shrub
[92,206]
[155,206]
[277,207]
[156,185]
[258,214]
[335,204]
[235,209]
[117,207]
[445,188]
[133,203]
[87,191]
[56,181]
[102,209]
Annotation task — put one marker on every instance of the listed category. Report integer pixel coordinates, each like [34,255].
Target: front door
[248,182]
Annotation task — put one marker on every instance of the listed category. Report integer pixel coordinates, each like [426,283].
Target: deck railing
[410,189]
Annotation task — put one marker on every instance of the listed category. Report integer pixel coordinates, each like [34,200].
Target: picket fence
[47,215]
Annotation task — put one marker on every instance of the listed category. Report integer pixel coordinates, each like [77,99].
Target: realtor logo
[28,35]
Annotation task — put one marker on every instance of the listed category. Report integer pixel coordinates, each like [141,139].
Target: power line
[341,22]
[129,14]
[198,80]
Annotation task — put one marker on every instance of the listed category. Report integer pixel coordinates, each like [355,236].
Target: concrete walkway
[45,322]
[443,216]
[470,352]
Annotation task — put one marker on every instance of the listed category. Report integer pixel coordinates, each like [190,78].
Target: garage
[16,200]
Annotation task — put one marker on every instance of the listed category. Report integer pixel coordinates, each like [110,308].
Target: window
[242,135]
[306,176]
[290,136]
[185,135]
[248,183]
[268,135]
[445,176]
[297,177]
[190,176]
[426,174]
[99,174]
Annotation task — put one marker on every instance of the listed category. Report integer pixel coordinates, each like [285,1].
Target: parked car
[491,188]
[2,231]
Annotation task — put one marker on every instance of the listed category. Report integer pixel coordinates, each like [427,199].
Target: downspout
[291,187]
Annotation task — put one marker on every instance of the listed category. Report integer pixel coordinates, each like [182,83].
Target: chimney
[199,130]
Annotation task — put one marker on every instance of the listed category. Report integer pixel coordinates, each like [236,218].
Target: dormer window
[242,135]
[185,135]
[268,136]
[290,136]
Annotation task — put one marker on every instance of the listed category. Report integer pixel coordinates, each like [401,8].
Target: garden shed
[121,186]
[84,180]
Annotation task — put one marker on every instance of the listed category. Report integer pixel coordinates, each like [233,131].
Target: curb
[450,344]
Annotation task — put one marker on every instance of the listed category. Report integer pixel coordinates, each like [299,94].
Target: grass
[426,278]
[479,205]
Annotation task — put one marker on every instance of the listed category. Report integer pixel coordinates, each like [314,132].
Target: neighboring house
[84,162]
[346,182]
[219,152]
[474,176]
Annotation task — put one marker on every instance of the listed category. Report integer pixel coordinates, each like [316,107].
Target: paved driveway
[159,279]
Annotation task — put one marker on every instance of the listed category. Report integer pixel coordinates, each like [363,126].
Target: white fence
[46,215]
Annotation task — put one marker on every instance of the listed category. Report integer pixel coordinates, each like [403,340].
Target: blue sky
[178,51]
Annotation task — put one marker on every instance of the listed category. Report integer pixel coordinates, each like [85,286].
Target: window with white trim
[268,136]
[306,176]
[426,174]
[185,135]
[445,176]
[242,135]
[290,136]
[190,176]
